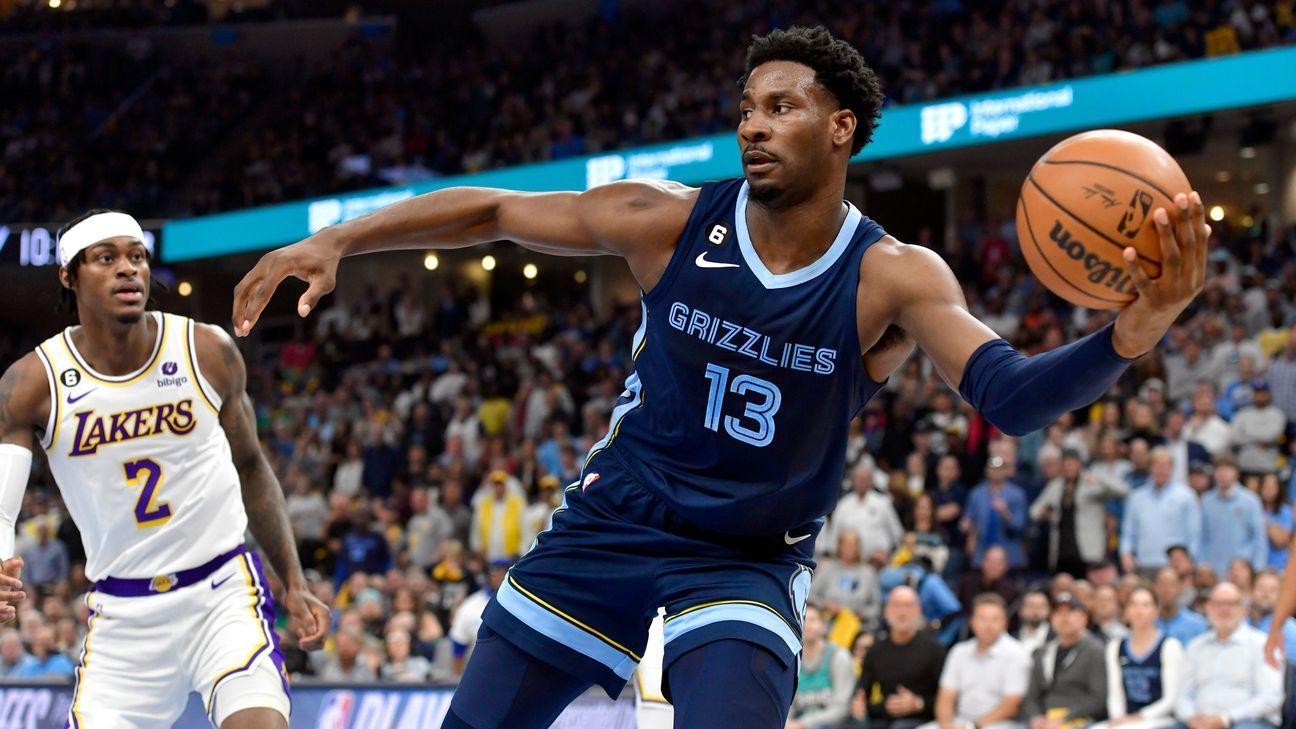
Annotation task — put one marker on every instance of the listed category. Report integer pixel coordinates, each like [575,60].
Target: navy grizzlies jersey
[737,412]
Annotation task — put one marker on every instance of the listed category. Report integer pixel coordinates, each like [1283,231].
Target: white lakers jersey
[141,459]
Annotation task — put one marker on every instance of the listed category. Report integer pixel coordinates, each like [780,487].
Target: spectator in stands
[1228,355]
[996,514]
[1233,523]
[1106,612]
[847,582]
[869,511]
[535,518]
[1201,476]
[363,550]
[1140,457]
[497,519]
[939,604]
[1143,669]
[925,540]
[1176,619]
[1157,517]
[461,515]
[306,506]
[897,686]
[824,680]
[1187,368]
[985,677]
[992,577]
[1279,523]
[1256,431]
[1241,574]
[467,618]
[950,495]
[401,666]
[14,659]
[429,525]
[345,662]
[1035,628]
[1075,507]
[1068,674]
[1205,426]
[46,660]
[46,562]
[1264,598]
[1227,682]
[1281,377]
[349,475]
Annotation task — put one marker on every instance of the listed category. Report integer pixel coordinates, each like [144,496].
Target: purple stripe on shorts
[263,595]
[267,610]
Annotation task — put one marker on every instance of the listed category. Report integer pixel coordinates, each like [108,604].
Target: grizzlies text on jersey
[745,381]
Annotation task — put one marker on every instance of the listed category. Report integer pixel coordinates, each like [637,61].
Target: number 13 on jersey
[764,401]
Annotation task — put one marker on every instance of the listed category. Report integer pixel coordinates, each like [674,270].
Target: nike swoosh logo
[787,537]
[702,262]
[73,400]
[218,584]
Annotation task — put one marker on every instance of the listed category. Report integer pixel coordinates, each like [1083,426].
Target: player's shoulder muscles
[219,359]
[907,277]
[24,400]
[631,216]
[919,293]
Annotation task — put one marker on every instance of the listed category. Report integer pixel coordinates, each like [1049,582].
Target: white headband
[96,228]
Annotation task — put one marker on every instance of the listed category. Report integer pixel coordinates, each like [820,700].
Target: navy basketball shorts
[583,597]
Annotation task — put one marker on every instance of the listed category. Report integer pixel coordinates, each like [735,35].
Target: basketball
[1084,202]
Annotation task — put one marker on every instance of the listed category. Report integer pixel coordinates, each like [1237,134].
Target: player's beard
[132,317]
[766,194]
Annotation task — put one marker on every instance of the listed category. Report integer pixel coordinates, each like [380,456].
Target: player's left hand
[11,592]
[1184,237]
[310,617]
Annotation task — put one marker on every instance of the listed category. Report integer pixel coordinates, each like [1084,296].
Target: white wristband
[15,470]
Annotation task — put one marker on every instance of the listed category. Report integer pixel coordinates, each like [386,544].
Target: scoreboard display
[33,244]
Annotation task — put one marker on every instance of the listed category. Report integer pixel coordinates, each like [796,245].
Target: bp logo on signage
[940,121]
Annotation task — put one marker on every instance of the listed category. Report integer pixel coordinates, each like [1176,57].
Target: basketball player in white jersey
[150,435]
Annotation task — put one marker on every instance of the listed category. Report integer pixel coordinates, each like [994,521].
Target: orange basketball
[1083,202]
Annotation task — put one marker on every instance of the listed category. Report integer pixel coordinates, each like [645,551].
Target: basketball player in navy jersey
[771,311]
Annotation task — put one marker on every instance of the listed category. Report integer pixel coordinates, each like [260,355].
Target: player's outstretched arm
[633,219]
[263,498]
[1021,394]
[24,401]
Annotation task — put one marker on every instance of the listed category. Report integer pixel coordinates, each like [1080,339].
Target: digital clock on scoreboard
[33,244]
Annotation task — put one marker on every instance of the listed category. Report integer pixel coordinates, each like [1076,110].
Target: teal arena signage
[1191,87]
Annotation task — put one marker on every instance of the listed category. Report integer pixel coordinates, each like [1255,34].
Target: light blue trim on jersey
[634,388]
[751,614]
[546,623]
[801,275]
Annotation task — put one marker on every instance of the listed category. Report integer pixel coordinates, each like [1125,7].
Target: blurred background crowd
[201,138]
[423,436]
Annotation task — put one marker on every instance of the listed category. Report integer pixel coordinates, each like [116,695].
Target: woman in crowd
[1143,670]
[825,681]
[1278,519]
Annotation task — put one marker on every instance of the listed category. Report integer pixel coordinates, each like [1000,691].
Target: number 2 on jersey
[148,473]
[762,434]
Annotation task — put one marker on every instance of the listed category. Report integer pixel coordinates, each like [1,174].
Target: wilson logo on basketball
[1099,271]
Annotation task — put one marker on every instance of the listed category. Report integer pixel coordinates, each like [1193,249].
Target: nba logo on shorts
[335,710]
[940,121]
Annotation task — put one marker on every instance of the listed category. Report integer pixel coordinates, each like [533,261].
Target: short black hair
[837,65]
